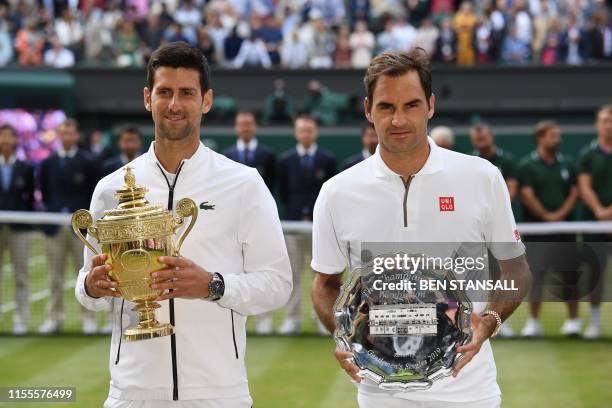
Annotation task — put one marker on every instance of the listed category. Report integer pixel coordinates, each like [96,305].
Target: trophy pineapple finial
[129,179]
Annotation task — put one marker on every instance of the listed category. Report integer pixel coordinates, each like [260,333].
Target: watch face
[216,288]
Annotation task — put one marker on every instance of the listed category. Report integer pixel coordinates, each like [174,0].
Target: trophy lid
[132,201]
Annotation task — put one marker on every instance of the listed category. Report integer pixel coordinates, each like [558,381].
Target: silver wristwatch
[216,287]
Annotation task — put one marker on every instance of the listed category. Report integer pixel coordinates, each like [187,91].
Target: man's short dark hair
[70,122]
[9,128]
[396,63]
[481,127]
[179,55]
[542,127]
[305,116]
[246,112]
[129,129]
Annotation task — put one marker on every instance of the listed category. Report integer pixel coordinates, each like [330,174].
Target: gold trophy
[134,235]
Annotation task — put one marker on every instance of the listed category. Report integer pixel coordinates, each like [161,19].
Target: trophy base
[145,333]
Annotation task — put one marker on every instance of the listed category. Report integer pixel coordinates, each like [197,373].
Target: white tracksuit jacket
[241,238]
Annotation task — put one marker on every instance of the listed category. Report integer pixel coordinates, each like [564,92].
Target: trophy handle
[185,208]
[81,219]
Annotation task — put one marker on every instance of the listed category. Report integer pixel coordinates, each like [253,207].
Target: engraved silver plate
[402,339]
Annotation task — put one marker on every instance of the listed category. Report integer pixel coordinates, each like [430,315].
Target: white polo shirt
[453,198]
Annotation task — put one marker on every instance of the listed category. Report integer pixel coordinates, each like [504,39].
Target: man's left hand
[186,279]
[482,329]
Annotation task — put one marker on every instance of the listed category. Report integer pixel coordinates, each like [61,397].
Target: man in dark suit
[301,173]
[67,180]
[130,147]
[369,141]
[16,194]
[249,151]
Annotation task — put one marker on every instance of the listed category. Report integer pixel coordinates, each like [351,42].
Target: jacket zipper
[175,395]
[234,335]
[407,186]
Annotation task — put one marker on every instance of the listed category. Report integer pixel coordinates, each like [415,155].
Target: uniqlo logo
[447,203]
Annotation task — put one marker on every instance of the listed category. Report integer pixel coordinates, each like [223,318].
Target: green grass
[301,372]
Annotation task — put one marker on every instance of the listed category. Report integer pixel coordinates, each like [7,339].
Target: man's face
[176,103]
[8,141]
[604,125]
[399,112]
[306,132]
[551,140]
[481,138]
[245,127]
[130,144]
[68,135]
[369,139]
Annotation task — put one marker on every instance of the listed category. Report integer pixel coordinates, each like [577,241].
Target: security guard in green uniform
[483,140]
[549,194]
[595,173]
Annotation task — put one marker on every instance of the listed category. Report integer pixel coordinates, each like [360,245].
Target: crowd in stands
[305,33]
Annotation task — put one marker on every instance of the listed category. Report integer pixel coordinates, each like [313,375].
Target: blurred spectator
[542,23]
[6,46]
[216,31]
[252,54]
[499,25]
[16,194]
[427,36]
[369,142]
[69,31]
[231,46]
[515,51]
[464,23]
[174,33]
[572,43]
[342,53]
[165,15]
[279,106]
[443,136]
[58,56]
[29,44]
[358,10]
[189,18]
[483,41]
[446,47]
[324,105]
[127,46]
[322,42]
[386,40]
[549,54]
[332,11]
[294,52]
[404,34]
[417,10]
[441,9]
[382,9]
[272,37]
[600,35]
[206,45]
[93,35]
[362,44]
[152,35]
[130,147]
[522,22]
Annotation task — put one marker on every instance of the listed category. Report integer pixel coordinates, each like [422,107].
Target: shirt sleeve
[329,255]
[583,162]
[266,282]
[104,303]
[524,175]
[501,235]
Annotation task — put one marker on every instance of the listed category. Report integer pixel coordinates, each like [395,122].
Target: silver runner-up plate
[402,338]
